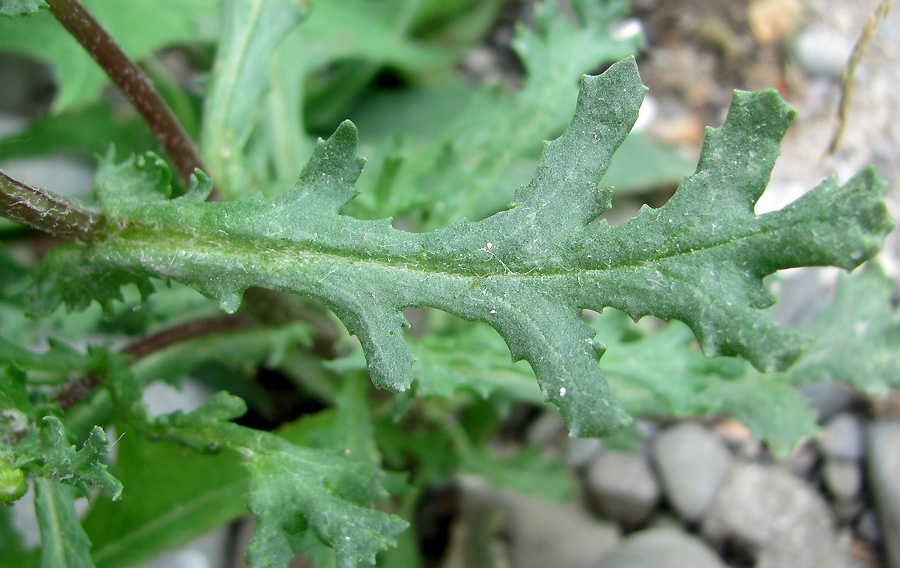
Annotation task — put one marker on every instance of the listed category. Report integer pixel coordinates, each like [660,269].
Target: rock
[803,550]
[692,463]
[623,487]
[822,52]
[661,548]
[842,438]
[537,533]
[549,534]
[846,510]
[580,452]
[548,430]
[867,527]
[843,478]
[803,461]
[827,399]
[884,479]
[775,516]
[772,20]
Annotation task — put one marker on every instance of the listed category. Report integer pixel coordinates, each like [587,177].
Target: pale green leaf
[140,26]
[293,488]
[290,480]
[856,340]
[251,31]
[63,542]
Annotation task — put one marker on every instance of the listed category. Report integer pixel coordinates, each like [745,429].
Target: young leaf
[63,542]
[13,8]
[251,31]
[83,468]
[527,271]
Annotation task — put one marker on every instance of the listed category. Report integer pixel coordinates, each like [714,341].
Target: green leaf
[475,360]
[140,26]
[857,339]
[643,164]
[526,472]
[322,488]
[527,271]
[251,31]
[13,395]
[293,488]
[173,495]
[82,468]
[484,147]
[768,406]
[14,8]
[63,542]
[11,545]
[84,132]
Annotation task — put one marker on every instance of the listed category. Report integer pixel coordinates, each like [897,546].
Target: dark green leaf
[527,271]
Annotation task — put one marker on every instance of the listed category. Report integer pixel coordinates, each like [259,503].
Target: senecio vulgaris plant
[243,226]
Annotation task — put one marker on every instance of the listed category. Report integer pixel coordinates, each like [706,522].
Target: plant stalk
[38,210]
[136,86]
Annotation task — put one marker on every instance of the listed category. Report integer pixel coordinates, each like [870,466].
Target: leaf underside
[528,271]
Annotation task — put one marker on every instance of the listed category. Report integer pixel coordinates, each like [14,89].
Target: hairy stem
[38,210]
[133,83]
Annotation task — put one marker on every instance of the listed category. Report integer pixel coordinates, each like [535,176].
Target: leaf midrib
[256,252]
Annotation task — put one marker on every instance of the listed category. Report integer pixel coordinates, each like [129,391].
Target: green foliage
[20,7]
[503,241]
[140,26]
[524,271]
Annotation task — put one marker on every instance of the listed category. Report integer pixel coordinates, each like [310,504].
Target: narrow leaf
[63,542]
[251,31]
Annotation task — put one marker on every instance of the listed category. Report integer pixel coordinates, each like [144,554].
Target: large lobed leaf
[528,271]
